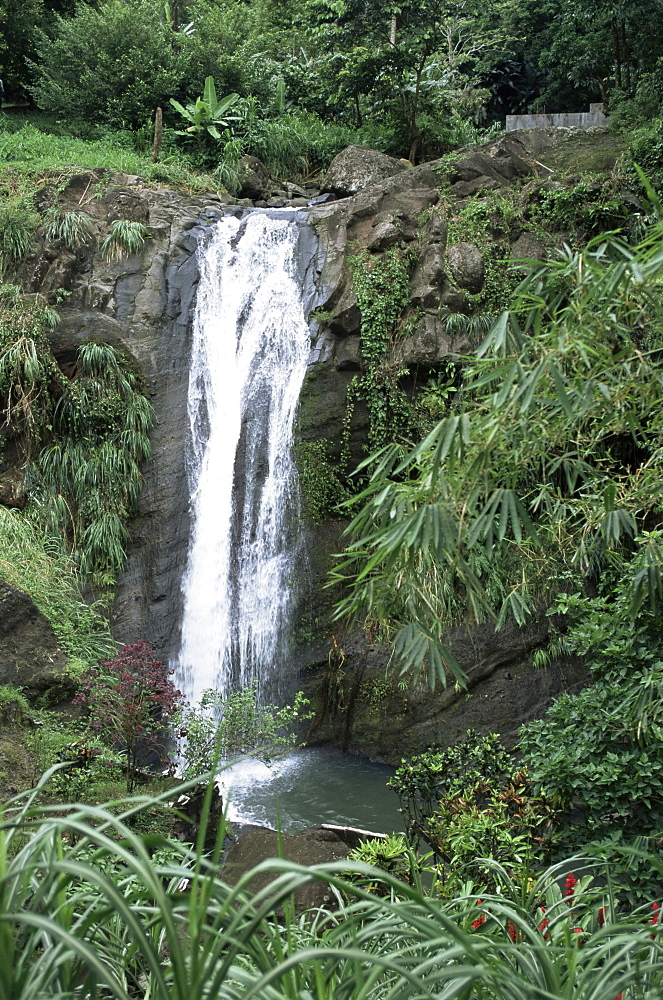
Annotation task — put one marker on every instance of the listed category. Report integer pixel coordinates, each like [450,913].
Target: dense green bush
[113,64]
[646,149]
[473,807]
[599,754]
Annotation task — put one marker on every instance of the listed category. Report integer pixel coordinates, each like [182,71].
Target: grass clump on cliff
[18,221]
[126,238]
[29,563]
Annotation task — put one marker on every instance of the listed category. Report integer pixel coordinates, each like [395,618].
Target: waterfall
[251,344]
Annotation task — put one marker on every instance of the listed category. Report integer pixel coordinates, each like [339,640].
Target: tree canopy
[399,71]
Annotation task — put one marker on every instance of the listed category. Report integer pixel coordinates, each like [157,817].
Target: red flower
[601,916]
[570,884]
[481,919]
[513,932]
[654,920]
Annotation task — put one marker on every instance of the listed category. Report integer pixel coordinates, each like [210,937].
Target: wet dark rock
[428,344]
[348,355]
[12,489]
[126,204]
[253,177]
[528,247]
[406,722]
[313,846]
[429,278]
[466,265]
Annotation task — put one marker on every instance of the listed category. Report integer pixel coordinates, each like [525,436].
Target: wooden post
[158,135]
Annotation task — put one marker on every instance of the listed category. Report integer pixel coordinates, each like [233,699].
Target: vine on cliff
[321,490]
[382,289]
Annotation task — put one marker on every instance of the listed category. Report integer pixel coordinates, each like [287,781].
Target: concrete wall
[594,118]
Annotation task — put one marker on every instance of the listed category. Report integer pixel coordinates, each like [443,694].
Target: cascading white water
[250,349]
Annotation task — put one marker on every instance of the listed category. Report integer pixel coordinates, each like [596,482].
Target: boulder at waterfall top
[253,178]
[357,167]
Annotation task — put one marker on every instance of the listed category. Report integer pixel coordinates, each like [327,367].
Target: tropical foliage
[83,437]
[208,114]
[409,77]
[90,907]
[546,465]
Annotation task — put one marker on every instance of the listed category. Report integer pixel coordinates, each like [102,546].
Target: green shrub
[18,221]
[470,803]
[84,437]
[646,149]
[382,287]
[599,754]
[219,729]
[390,854]
[10,694]
[113,64]
[125,239]
[87,480]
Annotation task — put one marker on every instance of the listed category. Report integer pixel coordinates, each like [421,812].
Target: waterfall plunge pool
[312,785]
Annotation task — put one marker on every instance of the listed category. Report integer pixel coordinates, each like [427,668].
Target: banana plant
[208,114]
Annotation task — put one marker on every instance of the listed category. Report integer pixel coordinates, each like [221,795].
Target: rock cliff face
[143,305]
